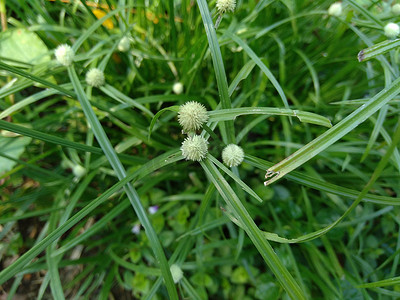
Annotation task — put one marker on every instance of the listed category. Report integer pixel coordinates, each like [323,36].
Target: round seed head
[232,155]
[95,77]
[392,30]
[64,55]
[194,148]
[192,115]
[176,273]
[226,5]
[177,88]
[396,9]
[335,9]
[78,171]
[124,44]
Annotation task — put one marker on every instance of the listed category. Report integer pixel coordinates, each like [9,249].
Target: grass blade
[218,66]
[265,249]
[24,260]
[378,49]
[303,116]
[261,65]
[129,189]
[244,186]
[60,141]
[320,185]
[334,134]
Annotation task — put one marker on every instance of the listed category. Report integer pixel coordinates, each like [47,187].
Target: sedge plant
[199,150]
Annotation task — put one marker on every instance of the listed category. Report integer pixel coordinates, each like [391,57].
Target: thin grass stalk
[333,134]
[255,234]
[129,189]
[219,68]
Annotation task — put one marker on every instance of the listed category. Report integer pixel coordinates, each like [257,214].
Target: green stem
[218,66]
[129,189]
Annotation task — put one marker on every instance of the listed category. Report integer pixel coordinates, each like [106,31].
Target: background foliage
[72,219]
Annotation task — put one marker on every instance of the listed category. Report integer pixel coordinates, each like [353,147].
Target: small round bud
[153,209]
[124,44]
[232,155]
[64,55]
[95,77]
[177,88]
[226,5]
[136,229]
[335,9]
[396,9]
[78,171]
[392,30]
[192,115]
[176,273]
[194,148]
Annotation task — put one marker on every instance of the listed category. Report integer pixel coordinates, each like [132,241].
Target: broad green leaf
[13,147]
[23,45]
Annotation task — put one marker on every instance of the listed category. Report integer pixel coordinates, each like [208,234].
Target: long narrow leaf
[320,185]
[261,65]
[23,260]
[262,245]
[129,189]
[60,141]
[378,49]
[218,66]
[332,135]
[303,116]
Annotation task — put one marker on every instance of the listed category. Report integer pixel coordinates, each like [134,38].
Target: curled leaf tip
[360,56]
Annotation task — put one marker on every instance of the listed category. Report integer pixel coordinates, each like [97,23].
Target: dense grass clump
[199,150]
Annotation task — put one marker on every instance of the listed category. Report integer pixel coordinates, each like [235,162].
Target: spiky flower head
[95,77]
[232,155]
[396,9]
[64,55]
[194,148]
[226,5]
[124,44]
[392,30]
[177,88]
[192,115]
[176,273]
[335,9]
